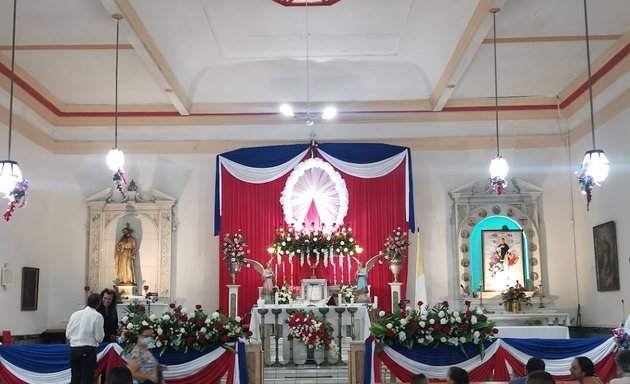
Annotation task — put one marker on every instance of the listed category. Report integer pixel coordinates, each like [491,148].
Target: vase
[508,305]
[395,266]
[516,306]
[234,267]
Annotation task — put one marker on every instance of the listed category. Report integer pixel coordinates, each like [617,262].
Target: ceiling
[205,75]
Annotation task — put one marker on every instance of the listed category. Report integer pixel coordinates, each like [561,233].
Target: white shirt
[85,328]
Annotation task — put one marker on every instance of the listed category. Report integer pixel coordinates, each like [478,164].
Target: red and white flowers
[395,245]
[311,330]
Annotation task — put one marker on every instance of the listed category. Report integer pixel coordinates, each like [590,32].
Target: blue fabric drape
[555,348]
[41,358]
[172,357]
[361,153]
[441,355]
[367,360]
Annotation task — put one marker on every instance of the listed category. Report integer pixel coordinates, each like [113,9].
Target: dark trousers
[82,364]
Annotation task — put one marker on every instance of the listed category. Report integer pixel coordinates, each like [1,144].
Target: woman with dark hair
[623,364]
[140,361]
[110,314]
[583,370]
[119,375]
[456,375]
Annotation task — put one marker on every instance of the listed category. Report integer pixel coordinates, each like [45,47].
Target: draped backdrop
[249,184]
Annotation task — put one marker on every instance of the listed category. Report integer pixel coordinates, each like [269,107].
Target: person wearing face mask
[140,361]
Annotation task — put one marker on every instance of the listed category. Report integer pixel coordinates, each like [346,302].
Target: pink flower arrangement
[395,245]
[234,248]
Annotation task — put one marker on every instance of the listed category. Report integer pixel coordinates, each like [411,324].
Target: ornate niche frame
[106,216]
[475,201]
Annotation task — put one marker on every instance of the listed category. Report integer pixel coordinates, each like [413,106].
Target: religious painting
[606,258]
[503,255]
[30,288]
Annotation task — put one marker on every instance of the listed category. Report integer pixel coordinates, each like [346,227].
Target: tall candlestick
[375,301]
[284,277]
[332,261]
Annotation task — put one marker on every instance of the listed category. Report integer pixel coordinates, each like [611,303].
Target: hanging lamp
[115,157]
[12,184]
[498,165]
[328,113]
[594,167]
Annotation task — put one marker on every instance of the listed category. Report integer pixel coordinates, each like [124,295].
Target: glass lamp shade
[498,168]
[10,175]
[115,159]
[286,110]
[329,113]
[596,164]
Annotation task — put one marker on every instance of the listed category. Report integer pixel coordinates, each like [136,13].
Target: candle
[375,301]
[352,300]
[277,298]
[284,277]
[339,299]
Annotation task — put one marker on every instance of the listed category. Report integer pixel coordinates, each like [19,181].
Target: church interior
[189,86]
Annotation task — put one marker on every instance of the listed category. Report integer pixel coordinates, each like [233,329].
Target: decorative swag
[249,185]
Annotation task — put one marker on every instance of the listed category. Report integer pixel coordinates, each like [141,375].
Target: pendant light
[115,157]
[594,167]
[498,166]
[327,113]
[12,184]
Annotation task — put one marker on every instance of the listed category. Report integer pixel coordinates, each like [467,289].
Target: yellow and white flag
[421,285]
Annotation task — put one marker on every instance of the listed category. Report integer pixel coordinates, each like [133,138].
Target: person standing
[110,314]
[85,332]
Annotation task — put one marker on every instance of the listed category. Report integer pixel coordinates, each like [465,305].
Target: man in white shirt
[85,332]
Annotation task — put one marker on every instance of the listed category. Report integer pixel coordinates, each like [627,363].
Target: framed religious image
[30,288]
[503,255]
[606,258]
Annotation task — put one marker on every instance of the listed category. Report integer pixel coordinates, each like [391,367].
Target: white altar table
[530,318]
[534,332]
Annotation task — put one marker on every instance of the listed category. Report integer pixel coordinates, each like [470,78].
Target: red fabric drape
[376,206]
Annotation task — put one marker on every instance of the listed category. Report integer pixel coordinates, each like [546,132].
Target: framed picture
[503,254]
[30,288]
[606,258]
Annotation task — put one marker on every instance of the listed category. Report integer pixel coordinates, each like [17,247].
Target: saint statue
[125,257]
[361,277]
[268,277]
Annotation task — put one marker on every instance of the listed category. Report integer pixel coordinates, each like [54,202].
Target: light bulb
[596,164]
[10,175]
[329,113]
[115,159]
[498,168]
[286,110]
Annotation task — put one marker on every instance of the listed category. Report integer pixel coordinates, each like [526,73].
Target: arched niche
[151,218]
[476,208]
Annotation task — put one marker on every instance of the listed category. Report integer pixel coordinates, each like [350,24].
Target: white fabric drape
[368,170]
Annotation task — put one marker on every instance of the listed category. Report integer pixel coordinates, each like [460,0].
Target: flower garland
[395,245]
[515,293]
[314,243]
[234,248]
[178,329]
[438,325]
[586,184]
[311,330]
[17,198]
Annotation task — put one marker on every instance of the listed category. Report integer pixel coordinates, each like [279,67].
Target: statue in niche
[125,257]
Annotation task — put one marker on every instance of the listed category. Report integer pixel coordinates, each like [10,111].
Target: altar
[355,321]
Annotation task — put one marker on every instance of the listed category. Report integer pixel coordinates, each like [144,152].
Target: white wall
[610,203]
[51,232]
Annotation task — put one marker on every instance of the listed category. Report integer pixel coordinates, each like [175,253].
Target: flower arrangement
[234,248]
[622,338]
[314,243]
[285,293]
[395,245]
[177,329]
[515,293]
[437,325]
[348,292]
[311,330]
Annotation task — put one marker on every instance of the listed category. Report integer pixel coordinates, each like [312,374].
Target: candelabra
[340,311]
[352,311]
[276,312]
[324,311]
[291,363]
[263,312]
[540,296]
